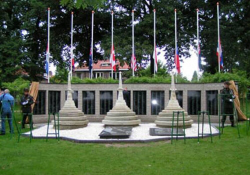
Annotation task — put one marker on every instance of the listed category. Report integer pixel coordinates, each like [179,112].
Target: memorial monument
[165,117]
[121,114]
[70,116]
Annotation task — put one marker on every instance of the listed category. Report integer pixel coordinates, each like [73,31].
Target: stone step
[169,123]
[165,118]
[121,123]
[81,118]
[120,113]
[126,118]
[73,123]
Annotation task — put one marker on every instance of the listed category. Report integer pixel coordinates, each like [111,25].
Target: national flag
[199,57]
[112,58]
[133,63]
[219,54]
[47,60]
[177,61]
[90,62]
[72,58]
[73,64]
[155,60]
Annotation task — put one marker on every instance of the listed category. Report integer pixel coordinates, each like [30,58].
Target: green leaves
[16,87]
[82,3]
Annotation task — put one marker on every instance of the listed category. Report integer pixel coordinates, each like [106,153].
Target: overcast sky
[188,66]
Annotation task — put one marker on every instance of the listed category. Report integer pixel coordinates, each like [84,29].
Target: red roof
[102,65]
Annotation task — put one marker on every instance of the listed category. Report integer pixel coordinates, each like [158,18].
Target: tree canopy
[23,32]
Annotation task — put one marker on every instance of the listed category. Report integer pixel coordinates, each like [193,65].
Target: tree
[61,76]
[11,41]
[24,32]
[195,77]
[82,4]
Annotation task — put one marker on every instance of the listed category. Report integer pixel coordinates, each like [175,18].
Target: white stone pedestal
[165,117]
[71,117]
[121,114]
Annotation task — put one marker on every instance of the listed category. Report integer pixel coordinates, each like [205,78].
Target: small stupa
[165,116]
[121,114]
[70,116]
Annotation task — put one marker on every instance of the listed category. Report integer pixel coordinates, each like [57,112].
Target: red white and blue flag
[155,60]
[90,62]
[177,61]
[219,55]
[72,58]
[199,57]
[133,62]
[112,58]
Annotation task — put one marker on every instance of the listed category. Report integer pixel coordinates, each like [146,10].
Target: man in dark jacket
[227,107]
[26,102]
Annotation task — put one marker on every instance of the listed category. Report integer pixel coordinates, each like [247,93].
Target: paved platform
[90,134]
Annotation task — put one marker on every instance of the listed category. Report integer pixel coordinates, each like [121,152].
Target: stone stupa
[164,119]
[70,116]
[121,114]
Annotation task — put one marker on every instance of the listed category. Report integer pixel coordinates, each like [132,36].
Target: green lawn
[229,155]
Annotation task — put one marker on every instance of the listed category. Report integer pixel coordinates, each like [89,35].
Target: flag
[199,57]
[219,54]
[90,62]
[47,60]
[112,58]
[73,64]
[72,58]
[133,62]
[177,60]
[155,60]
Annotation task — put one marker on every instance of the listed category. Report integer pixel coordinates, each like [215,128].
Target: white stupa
[121,114]
[70,116]
[165,116]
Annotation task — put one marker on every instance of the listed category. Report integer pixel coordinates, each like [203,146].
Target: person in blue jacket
[7,101]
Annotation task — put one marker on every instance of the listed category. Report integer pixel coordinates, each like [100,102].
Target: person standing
[1,92]
[7,101]
[26,102]
[227,97]
[126,96]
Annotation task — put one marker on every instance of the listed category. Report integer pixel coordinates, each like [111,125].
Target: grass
[229,155]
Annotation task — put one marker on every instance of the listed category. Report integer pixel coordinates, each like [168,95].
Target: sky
[188,66]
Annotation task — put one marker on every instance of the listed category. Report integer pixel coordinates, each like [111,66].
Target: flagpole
[154,40]
[71,45]
[198,44]
[175,24]
[48,45]
[92,43]
[112,42]
[219,49]
[133,45]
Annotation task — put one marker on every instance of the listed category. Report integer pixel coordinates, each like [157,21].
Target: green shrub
[76,80]
[239,77]
[16,87]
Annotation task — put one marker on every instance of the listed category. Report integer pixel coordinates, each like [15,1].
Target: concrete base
[71,117]
[72,120]
[123,117]
[121,114]
[166,116]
